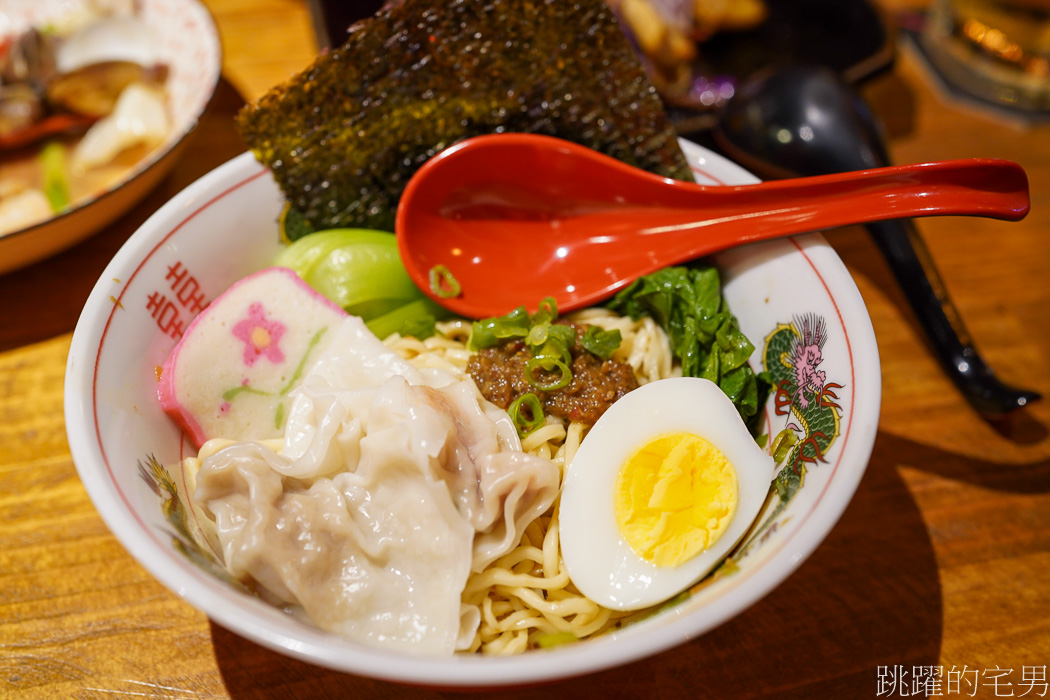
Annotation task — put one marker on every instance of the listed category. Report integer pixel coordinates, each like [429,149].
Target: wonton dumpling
[498,488]
[350,551]
[386,493]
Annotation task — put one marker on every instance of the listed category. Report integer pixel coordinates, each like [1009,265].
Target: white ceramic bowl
[224,226]
[188,42]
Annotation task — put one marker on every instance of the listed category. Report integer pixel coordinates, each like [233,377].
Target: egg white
[599,560]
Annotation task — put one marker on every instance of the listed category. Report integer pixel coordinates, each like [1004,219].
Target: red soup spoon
[497,221]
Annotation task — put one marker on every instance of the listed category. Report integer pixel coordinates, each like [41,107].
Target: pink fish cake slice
[230,374]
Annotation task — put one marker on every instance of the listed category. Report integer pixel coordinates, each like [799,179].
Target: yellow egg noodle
[524,597]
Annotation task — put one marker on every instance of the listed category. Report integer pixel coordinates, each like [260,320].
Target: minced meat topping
[596,384]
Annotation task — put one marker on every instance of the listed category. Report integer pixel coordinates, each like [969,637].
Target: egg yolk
[675,497]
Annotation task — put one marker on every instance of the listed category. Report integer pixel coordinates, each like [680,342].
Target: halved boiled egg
[663,487]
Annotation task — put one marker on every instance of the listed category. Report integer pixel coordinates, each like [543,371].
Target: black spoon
[803,120]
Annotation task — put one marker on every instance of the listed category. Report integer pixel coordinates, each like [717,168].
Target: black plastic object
[806,120]
[851,37]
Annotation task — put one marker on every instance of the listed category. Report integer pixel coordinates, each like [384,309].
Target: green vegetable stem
[53,167]
[360,270]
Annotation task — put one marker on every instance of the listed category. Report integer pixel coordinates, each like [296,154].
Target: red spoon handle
[970,187]
[517,217]
[684,221]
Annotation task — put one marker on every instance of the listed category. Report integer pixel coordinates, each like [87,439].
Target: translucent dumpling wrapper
[380,555]
[390,486]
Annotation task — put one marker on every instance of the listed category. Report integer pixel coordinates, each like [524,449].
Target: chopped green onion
[549,364]
[557,342]
[600,342]
[53,167]
[547,311]
[549,343]
[443,284]
[782,445]
[548,640]
[526,404]
[538,335]
[488,332]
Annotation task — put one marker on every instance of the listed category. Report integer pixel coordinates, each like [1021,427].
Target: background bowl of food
[289,434]
[96,100]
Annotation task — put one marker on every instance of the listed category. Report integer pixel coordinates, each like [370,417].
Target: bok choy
[360,270]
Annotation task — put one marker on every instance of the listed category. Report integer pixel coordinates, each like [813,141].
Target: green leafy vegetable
[360,270]
[293,224]
[687,302]
[600,342]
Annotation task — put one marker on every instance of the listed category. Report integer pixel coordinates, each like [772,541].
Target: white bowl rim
[460,671]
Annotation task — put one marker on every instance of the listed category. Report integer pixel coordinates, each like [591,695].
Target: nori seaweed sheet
[344,136]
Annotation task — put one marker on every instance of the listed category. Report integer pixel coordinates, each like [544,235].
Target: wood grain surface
[942,558]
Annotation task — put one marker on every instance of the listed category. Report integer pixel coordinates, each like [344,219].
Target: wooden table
[942,558]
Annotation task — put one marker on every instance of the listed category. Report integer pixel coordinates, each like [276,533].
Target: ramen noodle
[294,519]
[525,599]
